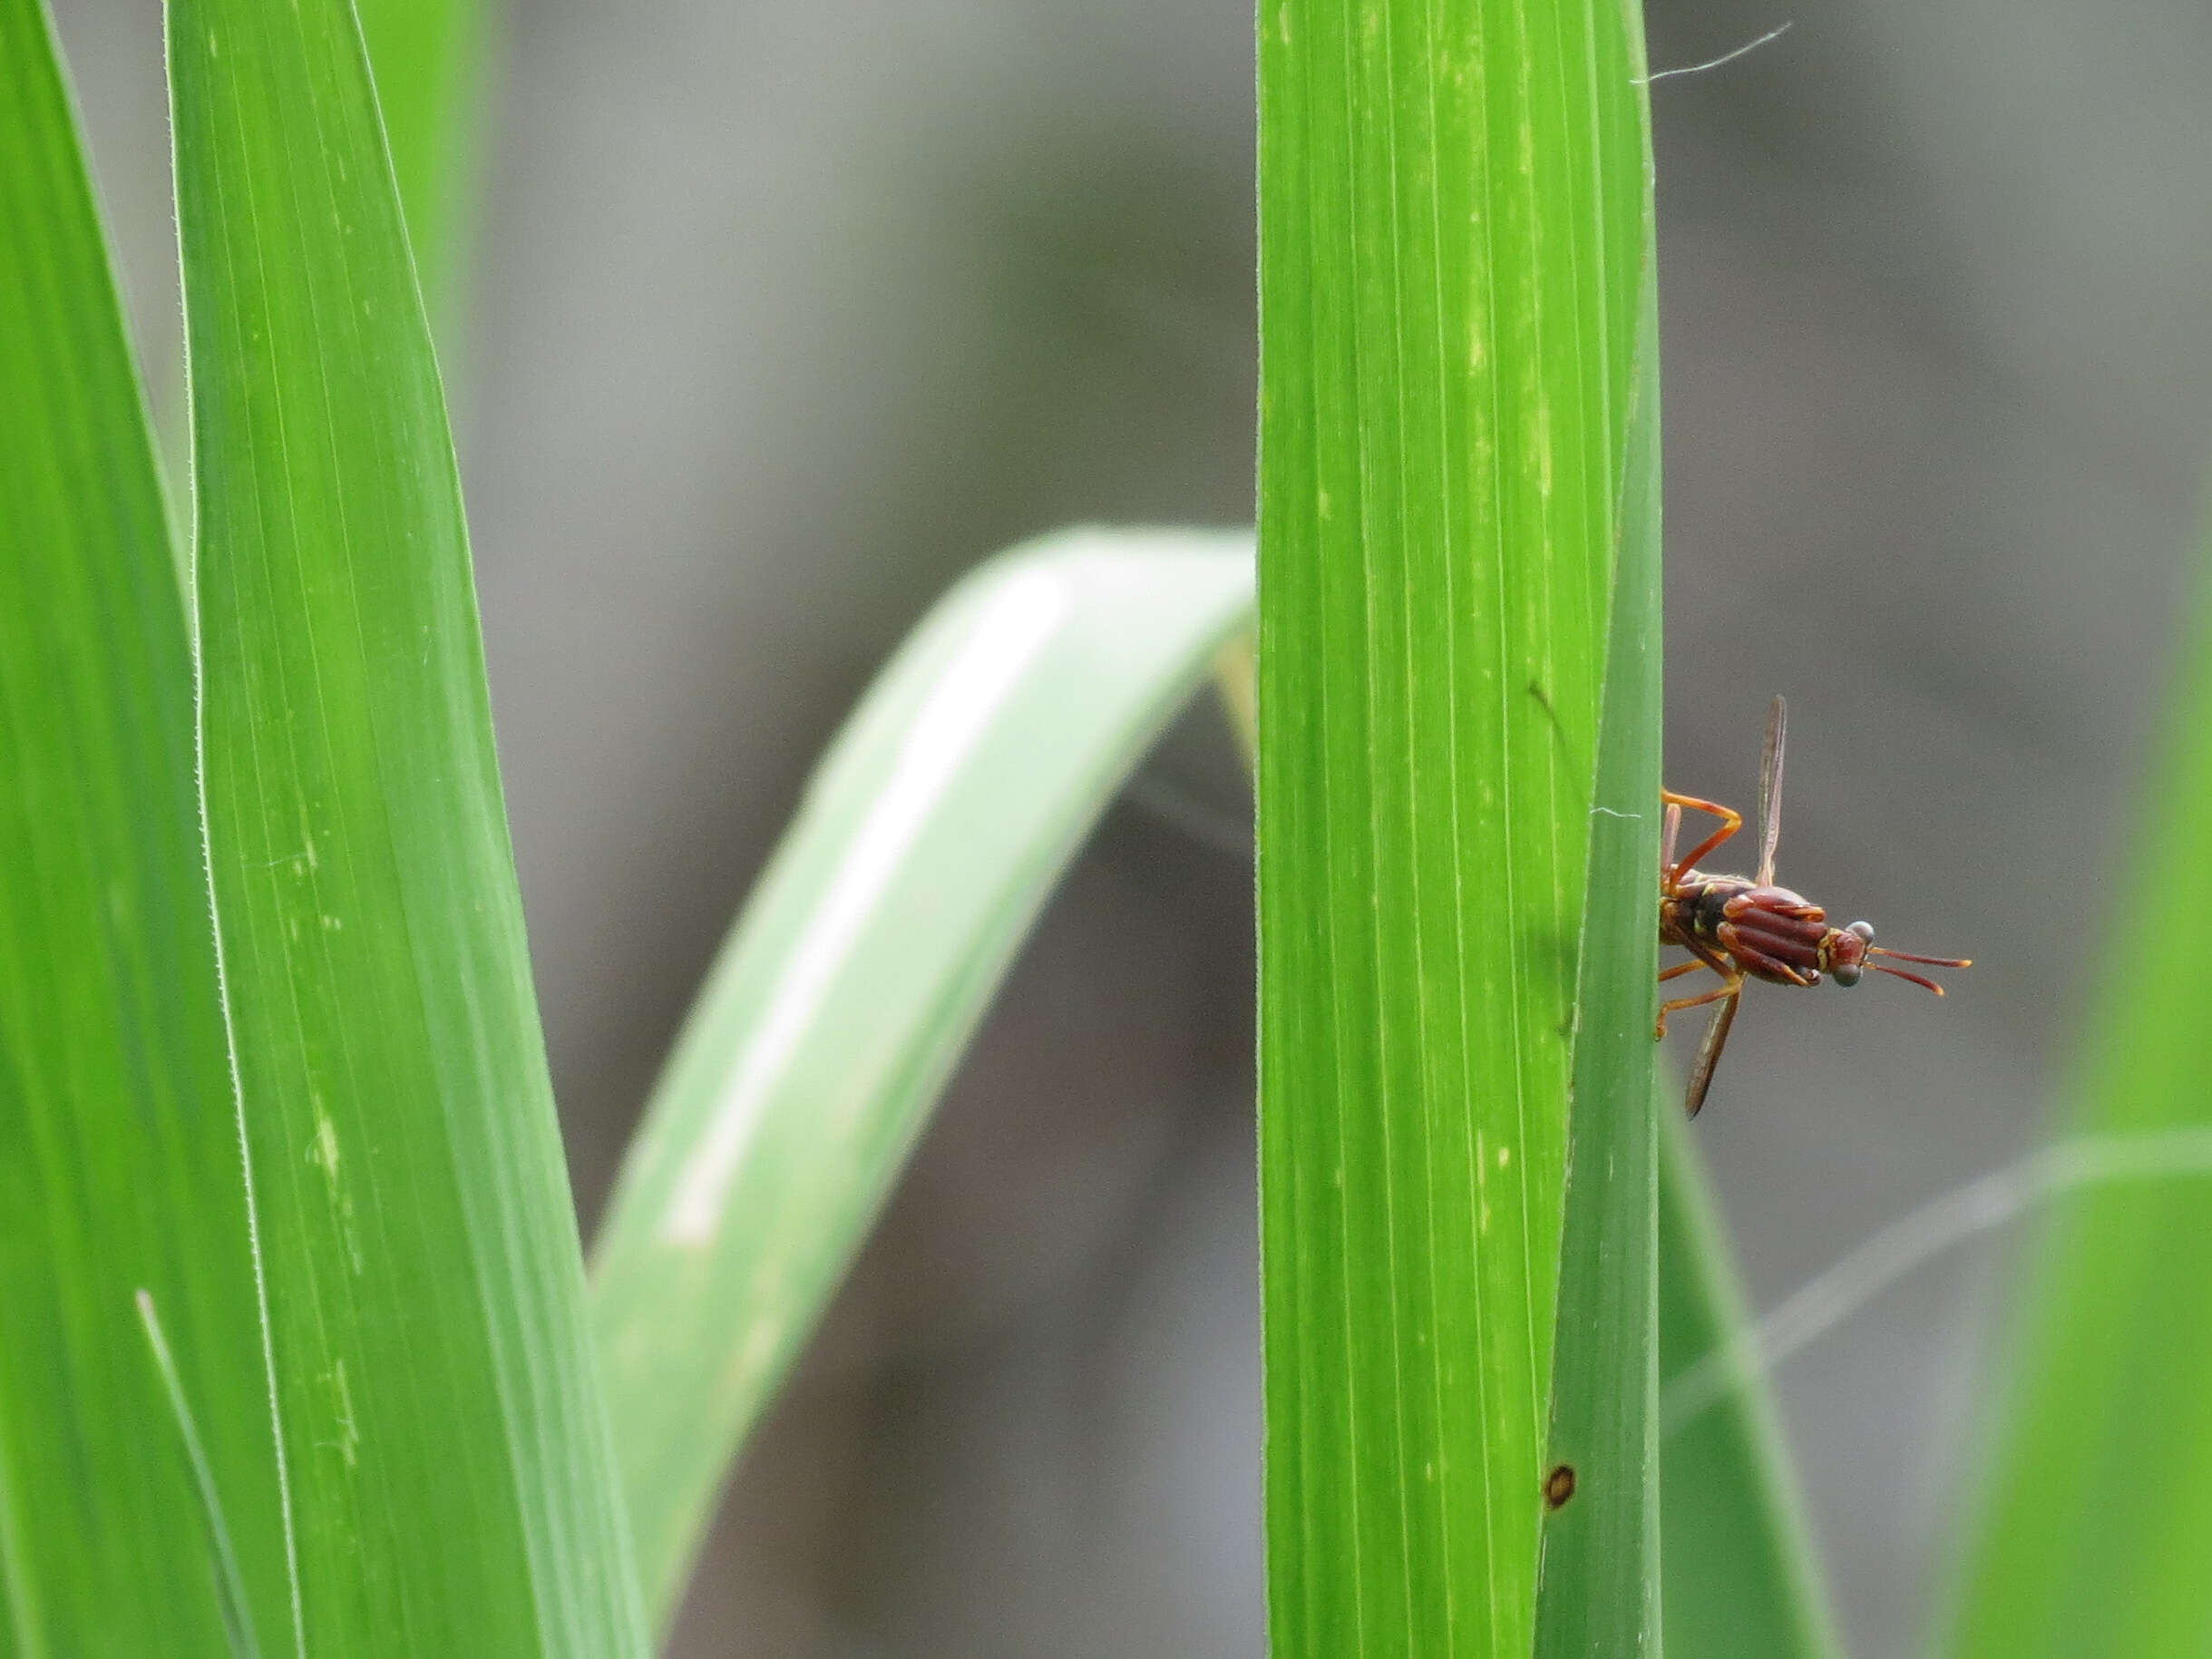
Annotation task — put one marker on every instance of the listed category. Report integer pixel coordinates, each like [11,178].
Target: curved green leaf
[118,1151]
[448,1478]
[931,835]
[1740,1579]
[2096,1522]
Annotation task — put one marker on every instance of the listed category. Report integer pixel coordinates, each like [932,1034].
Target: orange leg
[1733,984]
[1730,821]
[1679,968]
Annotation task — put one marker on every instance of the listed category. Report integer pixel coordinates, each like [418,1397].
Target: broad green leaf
[1453,223]
[431,68]
[2096,1521]
[1599,1591]
[448,1478]
[119,1150]
[1740,1579]
[934,831]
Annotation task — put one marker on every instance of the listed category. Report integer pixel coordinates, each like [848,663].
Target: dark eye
[1865,930]
[1845,974]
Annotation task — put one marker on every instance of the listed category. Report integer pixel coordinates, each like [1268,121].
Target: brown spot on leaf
[1559,1485]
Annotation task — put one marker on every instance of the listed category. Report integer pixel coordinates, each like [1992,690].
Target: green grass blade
[2097,1518]
[1453,213]
[1599,1591]
[118,1148]
[1741,1581]
[931,835]
[235,1605]
[449,1478]
[431,65]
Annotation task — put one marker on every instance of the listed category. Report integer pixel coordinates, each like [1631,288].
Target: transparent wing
[1708,1051]
[1770,790]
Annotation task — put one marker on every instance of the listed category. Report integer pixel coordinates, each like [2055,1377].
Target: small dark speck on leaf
[1559,730]
[1544,701]
[1559,1485]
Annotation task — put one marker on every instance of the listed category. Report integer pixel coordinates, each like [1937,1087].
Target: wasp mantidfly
[1744,927]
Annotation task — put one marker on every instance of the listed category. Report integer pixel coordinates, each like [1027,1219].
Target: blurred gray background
[787,310]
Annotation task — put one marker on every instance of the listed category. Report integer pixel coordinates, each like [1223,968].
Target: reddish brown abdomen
[1774,934]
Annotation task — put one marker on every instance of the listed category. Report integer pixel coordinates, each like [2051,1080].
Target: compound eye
[1845,974]
[1865,930]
